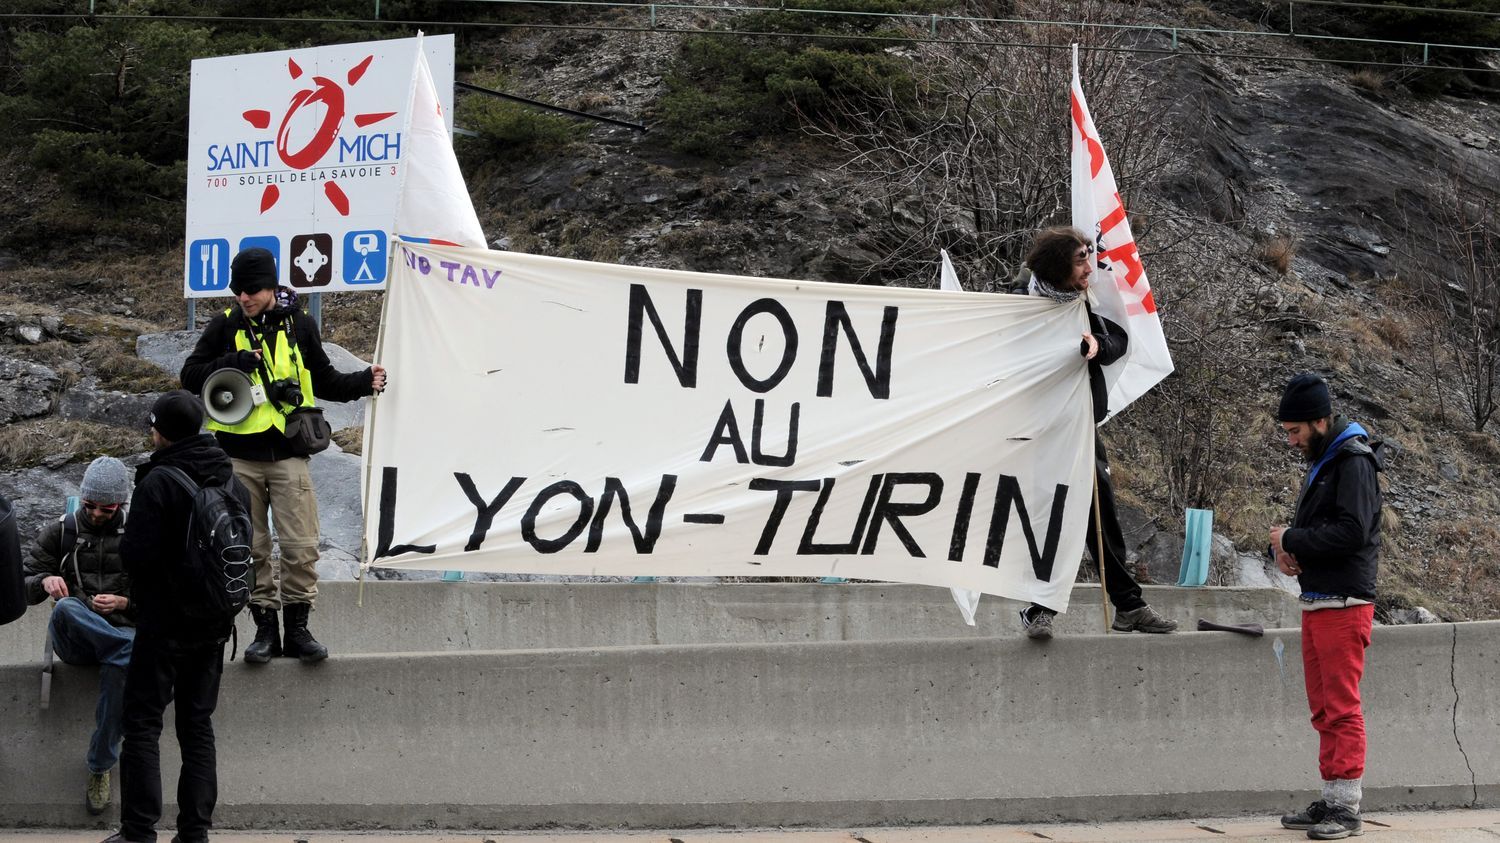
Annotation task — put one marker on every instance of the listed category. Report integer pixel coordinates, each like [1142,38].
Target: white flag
[948,277]
[967,600]
[433,205]
[1120,286]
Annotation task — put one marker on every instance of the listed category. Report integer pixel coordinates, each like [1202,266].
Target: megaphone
[229,396]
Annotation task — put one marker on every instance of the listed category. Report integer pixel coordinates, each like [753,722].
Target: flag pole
[385,304]
[1099,549]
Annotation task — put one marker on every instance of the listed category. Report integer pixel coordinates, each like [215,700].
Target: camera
[285,391]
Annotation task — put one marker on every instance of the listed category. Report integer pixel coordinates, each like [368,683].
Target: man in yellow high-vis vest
[266,336]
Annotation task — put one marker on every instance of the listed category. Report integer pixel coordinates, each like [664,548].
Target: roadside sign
[299,151]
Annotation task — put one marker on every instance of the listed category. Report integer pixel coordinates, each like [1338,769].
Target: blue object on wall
[1197,544]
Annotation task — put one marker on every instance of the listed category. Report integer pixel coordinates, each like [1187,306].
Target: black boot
[299,642]
[267,643]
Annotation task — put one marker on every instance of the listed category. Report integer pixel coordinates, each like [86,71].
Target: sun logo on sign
[330,95]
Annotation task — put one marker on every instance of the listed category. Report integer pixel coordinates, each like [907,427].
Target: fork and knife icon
[208,255]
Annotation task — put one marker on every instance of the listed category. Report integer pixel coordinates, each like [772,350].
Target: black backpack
[215,577]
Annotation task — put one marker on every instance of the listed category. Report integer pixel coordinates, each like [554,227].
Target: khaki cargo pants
[285,489]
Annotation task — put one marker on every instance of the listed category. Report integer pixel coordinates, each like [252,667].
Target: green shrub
[514,130]
[94,165]
[724,91]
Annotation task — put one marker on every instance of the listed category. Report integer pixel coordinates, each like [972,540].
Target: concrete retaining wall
[839,733]
[402,617]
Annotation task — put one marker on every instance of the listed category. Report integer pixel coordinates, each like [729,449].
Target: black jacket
[94,567]
[1113,343]
[156,534]
[216,350]
[1335,534]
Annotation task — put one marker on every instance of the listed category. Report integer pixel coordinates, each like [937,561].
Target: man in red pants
[1332,547]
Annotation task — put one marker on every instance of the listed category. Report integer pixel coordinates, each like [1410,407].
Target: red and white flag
[1120,288]
[434,204]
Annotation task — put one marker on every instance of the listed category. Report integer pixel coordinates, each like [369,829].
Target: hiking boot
[1338,823]
[1307,817]
[267,643]
[1144,619]
[299,643]
[1037,623]
[98,792]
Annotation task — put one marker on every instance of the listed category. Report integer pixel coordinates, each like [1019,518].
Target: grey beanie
[107,480]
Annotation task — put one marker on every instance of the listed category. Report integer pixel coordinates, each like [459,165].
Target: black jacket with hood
[156,534]
[1335,534]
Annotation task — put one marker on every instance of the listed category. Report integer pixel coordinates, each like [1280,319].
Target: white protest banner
[300,152]
[557,416]
[1119,285]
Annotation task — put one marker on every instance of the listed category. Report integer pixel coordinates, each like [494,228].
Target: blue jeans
[82,636]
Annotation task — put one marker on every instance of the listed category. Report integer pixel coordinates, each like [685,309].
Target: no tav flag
[1120,286]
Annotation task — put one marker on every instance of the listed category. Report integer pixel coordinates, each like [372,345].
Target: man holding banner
[268,338]
[1062,264]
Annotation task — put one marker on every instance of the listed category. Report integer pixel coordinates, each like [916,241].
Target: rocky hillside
[1294,215]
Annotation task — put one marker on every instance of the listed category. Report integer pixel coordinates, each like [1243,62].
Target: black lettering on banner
[685,366]
[878,379]
[528,521]
[487,511]
[808,547]
[961,520]
[783,490]
[788,350]
[645,542]
[386,529]
[758,456]
[892,513]
[1008,490]
[726,432]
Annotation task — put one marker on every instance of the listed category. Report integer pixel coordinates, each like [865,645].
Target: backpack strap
[69,534]
[181,477]
[68,546]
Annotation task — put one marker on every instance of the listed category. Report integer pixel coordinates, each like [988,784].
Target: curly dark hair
[1051,255]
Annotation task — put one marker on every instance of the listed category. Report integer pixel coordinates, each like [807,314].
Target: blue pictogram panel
[208,265]
[364,257]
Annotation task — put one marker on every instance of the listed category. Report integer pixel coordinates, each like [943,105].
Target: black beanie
[252,270]
[1305,399]
[176,415]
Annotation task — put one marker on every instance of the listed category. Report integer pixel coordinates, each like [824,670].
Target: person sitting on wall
[76,561]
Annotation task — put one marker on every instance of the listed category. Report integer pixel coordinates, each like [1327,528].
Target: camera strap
[260,359]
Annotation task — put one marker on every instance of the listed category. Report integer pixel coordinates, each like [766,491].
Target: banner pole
[369,437]
[1099,548]
[385,303]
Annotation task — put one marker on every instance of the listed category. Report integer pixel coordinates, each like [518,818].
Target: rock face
[26,390]
[85,403]
[40,495]
[336,480]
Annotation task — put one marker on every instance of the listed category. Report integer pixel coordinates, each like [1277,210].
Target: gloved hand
[246,361]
